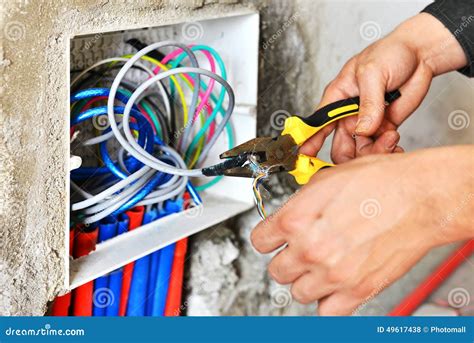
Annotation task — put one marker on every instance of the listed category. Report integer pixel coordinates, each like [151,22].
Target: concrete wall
[225,275]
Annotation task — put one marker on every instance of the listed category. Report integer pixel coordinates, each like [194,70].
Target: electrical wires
[258,196]
[144,134]
[260,175]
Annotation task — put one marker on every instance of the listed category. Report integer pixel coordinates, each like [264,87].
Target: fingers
[343,145]
[291,220]
[372,87]
[343,86]
[311,286]
[266,238]
[312,146]
[385,143]
[413,93]
[286,267]
[272,233]
[338,304]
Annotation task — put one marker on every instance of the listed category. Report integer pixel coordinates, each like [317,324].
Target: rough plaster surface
[33,136]
[225,275]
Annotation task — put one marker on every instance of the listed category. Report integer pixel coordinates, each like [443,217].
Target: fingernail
[363,124]
[390,146]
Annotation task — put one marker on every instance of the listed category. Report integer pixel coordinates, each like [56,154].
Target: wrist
[434,45]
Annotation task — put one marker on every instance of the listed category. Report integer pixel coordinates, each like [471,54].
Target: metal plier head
[272,155]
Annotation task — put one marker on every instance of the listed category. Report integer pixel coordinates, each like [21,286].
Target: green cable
[217,109]
[218,102]
[148,110]
[208,184]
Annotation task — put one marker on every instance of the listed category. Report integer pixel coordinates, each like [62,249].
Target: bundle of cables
[151,136]
[140,142]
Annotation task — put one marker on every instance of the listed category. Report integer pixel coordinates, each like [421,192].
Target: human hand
[406,59]
[356,228]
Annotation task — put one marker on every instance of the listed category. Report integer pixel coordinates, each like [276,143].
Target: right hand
[406,59]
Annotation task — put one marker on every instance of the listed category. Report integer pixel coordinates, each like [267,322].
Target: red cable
[173,299]
[175,287]
[136,217]
[408,305]
[85,242]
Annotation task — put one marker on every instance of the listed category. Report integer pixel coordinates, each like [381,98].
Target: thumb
[372,101]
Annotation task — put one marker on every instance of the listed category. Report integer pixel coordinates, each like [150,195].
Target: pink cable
[204,96]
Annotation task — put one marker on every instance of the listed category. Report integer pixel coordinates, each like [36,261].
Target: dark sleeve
[458,17]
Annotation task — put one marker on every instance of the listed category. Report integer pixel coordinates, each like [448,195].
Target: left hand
[356,228]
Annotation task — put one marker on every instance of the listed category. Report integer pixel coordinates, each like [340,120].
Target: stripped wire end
[261,175]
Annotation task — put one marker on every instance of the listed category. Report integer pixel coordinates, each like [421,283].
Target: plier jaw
[262,154]
[268,155]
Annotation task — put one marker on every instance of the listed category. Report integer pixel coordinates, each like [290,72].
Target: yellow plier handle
[301,129]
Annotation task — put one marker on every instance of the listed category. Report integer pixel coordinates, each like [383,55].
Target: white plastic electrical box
[236,40]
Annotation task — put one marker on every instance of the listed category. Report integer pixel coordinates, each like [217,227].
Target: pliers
[280,154]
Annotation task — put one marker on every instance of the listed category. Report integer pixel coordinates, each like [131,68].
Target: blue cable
[148,137]
[115,277]
[152,184]
[94,92]
[107,230]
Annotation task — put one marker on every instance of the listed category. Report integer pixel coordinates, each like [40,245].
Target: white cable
[113,198]
[143,155]
[161,88]
[115,188]
[133,148]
